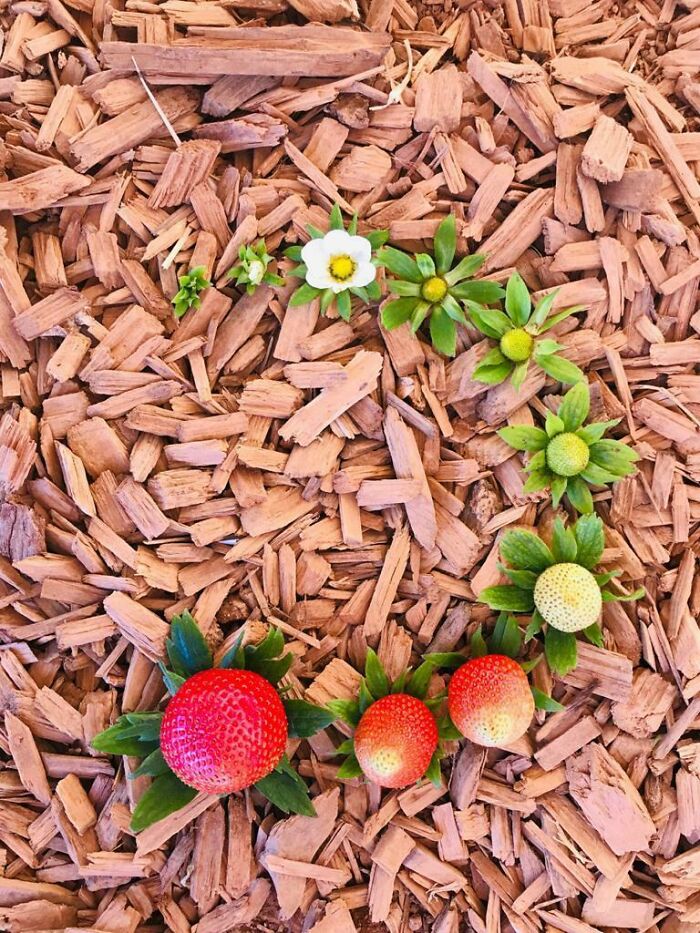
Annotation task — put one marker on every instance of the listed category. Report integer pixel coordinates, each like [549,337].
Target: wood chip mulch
[233,463]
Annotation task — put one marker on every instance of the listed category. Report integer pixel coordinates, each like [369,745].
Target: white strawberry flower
[338,261]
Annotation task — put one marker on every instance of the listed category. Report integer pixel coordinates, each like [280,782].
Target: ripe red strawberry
[490,701]
[224,730]
[395,740]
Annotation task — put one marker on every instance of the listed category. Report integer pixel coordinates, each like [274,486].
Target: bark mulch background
[149,465]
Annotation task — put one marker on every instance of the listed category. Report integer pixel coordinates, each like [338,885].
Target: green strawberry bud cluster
[191,285]
[433,287]
[518,331]
[567,456]
[251,269]
[558,585]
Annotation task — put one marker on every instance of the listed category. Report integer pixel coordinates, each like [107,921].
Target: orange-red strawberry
[490,701]
[224,730]
[395,740]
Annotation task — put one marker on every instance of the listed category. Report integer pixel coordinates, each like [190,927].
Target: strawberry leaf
[594,634]
[579,495]
[507,638]
[518,303]
[172,681]
[525,550]
[153,765]
[273,670]
[187,648]
[375,675]
[535,626]
[445,244]
[137,738]
[563,543]
[544,702]
[448,731]
[304,719]
[477,645]
[508,598]
[560,650]
[365,698]
[433,772]
[575,405]
[286,790]
[523,437]
[346,710]
[165,795]
[234,657]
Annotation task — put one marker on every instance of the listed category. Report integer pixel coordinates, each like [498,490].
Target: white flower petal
[314,252]
[364,274]
[359,249]
[341,286]
[338,241]
[319,276]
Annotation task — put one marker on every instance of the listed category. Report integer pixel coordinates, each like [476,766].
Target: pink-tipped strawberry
[395,740]
[224,730]
[490,701]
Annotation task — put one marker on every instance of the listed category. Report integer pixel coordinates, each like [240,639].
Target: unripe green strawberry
[568,597]
[490,701]
[567,454]
[395,740]
[516,345]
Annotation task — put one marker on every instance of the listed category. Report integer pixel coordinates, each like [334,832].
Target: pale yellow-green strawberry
[516,345]
[567,454]
[568,597]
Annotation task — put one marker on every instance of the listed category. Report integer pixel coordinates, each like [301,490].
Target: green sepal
[327,299]
[560,650]
[346,747]
[563,543]
[524,579]
[153,765]
[518,303]
[443,332]
[305,719]
[610,597]
[591,433]
[377,238]
[426,265]
[602,579]
[133,734]
[448,731]
[538,479]
[507,598]
[553,424]
[264,658]
[166,794]
[545,702]
[597,476]
[493,375]
[234,657]
[303,295]
[399,264]
[172,681]
[534,627]
[594,634]
[445,244]
[452,308]
[559,317]
[314,232]
[293,253]
[433,772]
[542,310]
[546,348]
[523,437]
[346,710]
[365,698]
[375,675]
[477,644]
[406,289]
[187,648]
[519,374]
[335,218]
[579,495]
[490,322]
[397,312]
[464,269]
[558,486]
[559,368]
[344,304]
[480,291]
[575,406]
[374,290]
[349,769]
[524,550]
[286,790]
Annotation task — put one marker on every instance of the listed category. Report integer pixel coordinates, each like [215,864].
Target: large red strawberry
[395,740]
[490,701]
[224,730]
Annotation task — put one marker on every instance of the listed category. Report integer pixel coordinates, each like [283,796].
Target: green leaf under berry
[507,598]
[305,719]
[524,550]
[286,790]
[574,407]
[545,702]
[349,769]
[563,543]
[166,794]
[518,302]
[445,244]
[560,650]
[524,437]
[507,638]
[375,675]
[153,765]
[133,734]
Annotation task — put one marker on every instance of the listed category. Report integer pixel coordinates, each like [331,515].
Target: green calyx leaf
[349,769]
[266,658]
[346,710]
[560,650]
[433,772]
[133,734]
[507,638]
[172,681]
[335,218]
[304,295]
[524,550]
[416,683]
[286,790]
[614,457]
[344,304]
[535,626]
[553,425]
[477,644]
[397,312]
[579,495]
[191,284]
[507,598]
[399,264]
[305,719]
[187,648]
[480,292]
[493,375]
[166,794]
[524,437]
[575,406]
[518,303]
[564,546]
[445,244]
[375,675]
[489,321]
[153,765]
[594,634]
[443,332]
[545,702]
[464,269]
[559,368]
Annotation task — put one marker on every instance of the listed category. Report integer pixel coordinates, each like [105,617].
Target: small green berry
[567,454]
[568,597]
[516,345]
[434,289]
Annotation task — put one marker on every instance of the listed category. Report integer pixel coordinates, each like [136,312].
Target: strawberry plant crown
[432,286]
[191,284]
[138,734]
[557,585]
[375,685]
[567,456]
[518,331]
[306,292]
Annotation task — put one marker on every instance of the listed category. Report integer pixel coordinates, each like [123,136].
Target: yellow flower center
[434,289]
[342,267]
